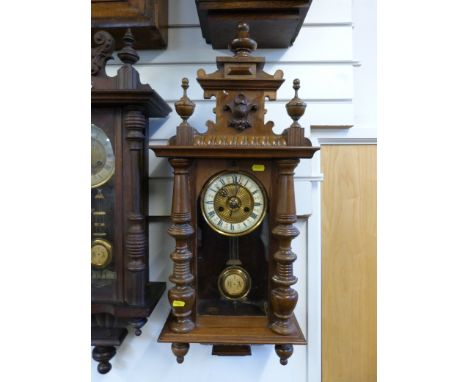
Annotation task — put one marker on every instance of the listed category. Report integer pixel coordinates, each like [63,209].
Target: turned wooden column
[135,240]
[283,297]
[182,295]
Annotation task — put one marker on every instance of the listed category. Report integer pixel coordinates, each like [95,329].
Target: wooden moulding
[233,330]
[234,152]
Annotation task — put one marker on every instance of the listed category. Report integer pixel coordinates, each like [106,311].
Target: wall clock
[233,214]
[273,23]
[147,18]
[121,294]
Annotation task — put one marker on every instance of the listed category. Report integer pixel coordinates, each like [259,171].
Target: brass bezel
[212,180]
[107,246]
[234,269]
[106,147]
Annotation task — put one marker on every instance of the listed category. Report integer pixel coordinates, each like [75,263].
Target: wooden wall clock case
[121,294]
[146,18]
[233,214]
[274,23]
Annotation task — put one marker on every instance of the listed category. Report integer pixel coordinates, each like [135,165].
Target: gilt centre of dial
[233,203]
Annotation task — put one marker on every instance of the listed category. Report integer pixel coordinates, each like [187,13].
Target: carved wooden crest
[240,86]
[126,85]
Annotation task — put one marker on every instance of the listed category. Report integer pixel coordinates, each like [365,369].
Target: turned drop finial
[185,107]
[242,45]
[128,55]
[296,107]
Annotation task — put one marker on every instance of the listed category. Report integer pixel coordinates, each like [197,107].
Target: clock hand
[237,190]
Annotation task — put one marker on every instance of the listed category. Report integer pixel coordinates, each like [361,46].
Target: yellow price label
[258,167]
[178,303]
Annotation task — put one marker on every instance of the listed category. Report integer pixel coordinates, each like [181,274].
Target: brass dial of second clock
[101,253]
[102,157]
[233,203]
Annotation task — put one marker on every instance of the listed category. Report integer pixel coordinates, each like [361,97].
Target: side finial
[242,45]
[128,55]
[185,107]
[296,107]
[102,52]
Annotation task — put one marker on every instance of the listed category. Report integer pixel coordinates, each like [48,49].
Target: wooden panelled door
[349,258]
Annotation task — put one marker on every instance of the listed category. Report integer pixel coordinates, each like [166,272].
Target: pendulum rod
[234,251]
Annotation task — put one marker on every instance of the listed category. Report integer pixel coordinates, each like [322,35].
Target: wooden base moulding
[231,335]
[155,291]
[249,330]
[106,339]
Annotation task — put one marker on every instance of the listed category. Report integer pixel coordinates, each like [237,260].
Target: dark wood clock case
[147,19]
[238,141]
[121,293]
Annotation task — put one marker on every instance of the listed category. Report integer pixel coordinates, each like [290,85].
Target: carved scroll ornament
[102,52]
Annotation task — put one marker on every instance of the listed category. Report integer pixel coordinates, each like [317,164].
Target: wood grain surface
[349,263]
[233,330]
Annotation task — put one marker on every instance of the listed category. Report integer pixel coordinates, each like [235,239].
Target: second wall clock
[121,294]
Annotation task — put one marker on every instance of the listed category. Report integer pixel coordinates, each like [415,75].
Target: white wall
[322,57]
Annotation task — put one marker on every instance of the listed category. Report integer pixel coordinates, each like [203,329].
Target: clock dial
[233,203]
[234,283]
[101,253]
[102,157]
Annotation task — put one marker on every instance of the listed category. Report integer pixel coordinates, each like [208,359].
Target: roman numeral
[234,179]
[220,223]
[222,181]
[257,204]
[232,227]
[253,193]
[254,215]
[211,214]
[209,202]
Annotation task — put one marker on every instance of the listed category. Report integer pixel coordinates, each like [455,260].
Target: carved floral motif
[240,109]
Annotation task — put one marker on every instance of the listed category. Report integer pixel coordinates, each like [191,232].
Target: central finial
[242,45]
